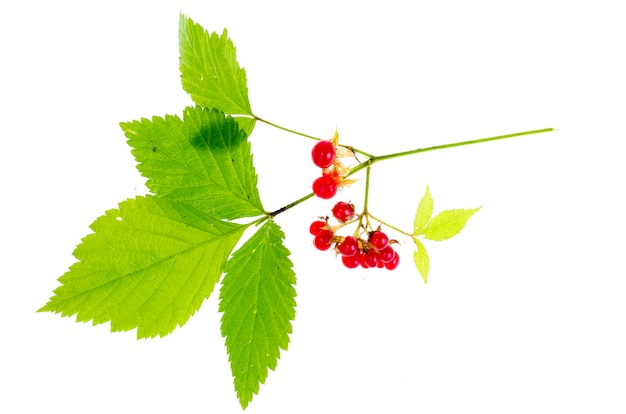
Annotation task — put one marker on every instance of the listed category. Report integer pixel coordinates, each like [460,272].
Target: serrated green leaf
[447,224]
[246,124]
[424,213]
[257,298]
[148,265]
[421,259]
[203,159]
[209,69]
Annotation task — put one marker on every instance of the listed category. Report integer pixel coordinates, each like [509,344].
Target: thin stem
[288,206]
[390,226]
[258,221]
[367,194]
[367,190]
[372,160]
[355,150]
[287,129]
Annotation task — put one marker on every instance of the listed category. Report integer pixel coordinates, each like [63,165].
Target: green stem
[367,190]
[390,226]
[355,150]
[287,129]
[288,206]
[258,221]
[374,159]
[366,201]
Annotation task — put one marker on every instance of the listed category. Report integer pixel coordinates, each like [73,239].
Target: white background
[523,312]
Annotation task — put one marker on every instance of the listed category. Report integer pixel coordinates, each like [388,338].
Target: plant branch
[367,190]
[390,226]
[351,148]
[287,129]
[374,159]
[288,206]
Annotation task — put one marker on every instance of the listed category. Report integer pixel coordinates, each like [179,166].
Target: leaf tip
[44,308]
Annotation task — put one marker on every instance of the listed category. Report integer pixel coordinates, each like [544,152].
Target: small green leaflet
[203,159]
[421,259]
[148,265]
[424,212]
[210,72]
[257,298]
[443,226]
[447,224]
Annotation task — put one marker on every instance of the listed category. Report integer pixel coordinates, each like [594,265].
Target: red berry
[325,187]
[323,154]
[370,259]
[393,263]
[386,254]
[316,227]
[322,239]
[351,261]
[348,247]
[343,211]
[379,240]
[362,261]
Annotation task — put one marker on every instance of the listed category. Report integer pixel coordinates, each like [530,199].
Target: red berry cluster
[375,252]
[324,155]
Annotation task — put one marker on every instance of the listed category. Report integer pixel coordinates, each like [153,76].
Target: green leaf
[148,265]
[447,224]
[209,69]
[203,159]
[246,124]
[257,298]
[421,259]
[424,213]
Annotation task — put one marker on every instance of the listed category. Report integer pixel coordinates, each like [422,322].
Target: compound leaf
[209,69]
[421,259]
[148,265]
[257,299]
[424,212]
[203,159]
[447,224]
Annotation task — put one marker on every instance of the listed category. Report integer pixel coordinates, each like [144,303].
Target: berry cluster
[325,156]
[374,252]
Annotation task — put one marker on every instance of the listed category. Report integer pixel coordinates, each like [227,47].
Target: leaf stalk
[286,129]
[290,205]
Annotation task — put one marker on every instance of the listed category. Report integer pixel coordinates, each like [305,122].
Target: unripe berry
[323,154]
[343,211]
[325,187]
